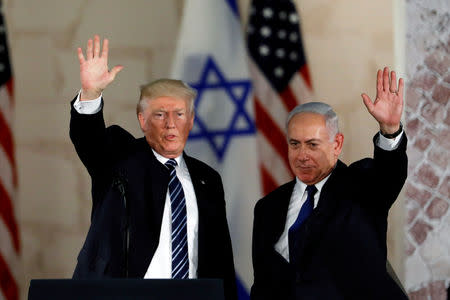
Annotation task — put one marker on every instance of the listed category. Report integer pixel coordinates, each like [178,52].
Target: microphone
[120,183]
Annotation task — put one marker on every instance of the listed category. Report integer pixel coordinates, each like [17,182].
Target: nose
[170,121]
[302,155]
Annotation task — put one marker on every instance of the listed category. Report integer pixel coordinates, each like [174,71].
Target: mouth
[171,137]
[305,168]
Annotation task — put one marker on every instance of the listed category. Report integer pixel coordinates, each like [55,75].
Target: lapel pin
[202,181]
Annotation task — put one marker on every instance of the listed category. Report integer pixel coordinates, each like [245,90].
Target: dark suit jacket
[342,253]
[111,153]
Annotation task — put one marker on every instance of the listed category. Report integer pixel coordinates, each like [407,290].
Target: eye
[293,144]
[158,115]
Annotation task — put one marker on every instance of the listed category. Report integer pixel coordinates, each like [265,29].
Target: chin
[306,180]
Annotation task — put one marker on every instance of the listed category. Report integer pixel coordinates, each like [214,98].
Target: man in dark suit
[323,235]
[157,212]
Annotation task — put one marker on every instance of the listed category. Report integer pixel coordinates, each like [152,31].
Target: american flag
[9,232]
[280,79]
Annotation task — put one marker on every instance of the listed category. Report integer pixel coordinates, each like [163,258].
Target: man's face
[312,156]
[166,123]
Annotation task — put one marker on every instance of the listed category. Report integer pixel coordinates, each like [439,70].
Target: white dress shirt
[299,196]
[161,263]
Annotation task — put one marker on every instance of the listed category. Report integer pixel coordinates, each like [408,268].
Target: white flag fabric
[211,57]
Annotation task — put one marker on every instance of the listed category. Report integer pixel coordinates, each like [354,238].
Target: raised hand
[388,105]
[94,73]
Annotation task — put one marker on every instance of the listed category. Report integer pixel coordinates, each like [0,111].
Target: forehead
[167,103]
[307,125]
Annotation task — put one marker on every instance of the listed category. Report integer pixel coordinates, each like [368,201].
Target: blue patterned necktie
[304,213]
[180,258]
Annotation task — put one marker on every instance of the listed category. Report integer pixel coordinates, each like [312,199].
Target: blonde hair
[166,88]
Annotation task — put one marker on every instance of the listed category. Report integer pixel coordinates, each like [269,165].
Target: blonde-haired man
[157,212]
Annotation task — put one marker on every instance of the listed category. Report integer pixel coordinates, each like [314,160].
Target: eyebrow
[313,140]
[175,110]
[307,141]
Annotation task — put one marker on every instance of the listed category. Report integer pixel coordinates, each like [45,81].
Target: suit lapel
[280,210]
[158,177]
[312,230]
[152,189]
[198,181]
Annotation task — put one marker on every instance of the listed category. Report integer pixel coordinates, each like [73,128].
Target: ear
[338,143]
[141,120]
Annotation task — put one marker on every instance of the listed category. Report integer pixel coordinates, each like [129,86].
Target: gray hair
[166,88]
[331,119]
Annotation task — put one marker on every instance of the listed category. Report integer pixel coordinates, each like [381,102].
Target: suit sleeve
[384,175]
[99,148]
[256,291]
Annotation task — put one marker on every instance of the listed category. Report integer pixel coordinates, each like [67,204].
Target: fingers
[393,85]
[80,56]
[89,49]
[401,85]
[379,82]
[96,45]
[105,49]
[367,102]
[114,71]
[386,79]
[93,48]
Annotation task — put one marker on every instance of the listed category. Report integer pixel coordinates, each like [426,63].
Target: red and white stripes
[9,231]
[271,111]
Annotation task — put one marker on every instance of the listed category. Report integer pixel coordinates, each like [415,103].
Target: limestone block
[441,93]
[437,208]
[32,247]
[444,233]
[441,268]
[44,123]
[140,24]
[420,231]
[329,16]
[62,258]
[424,80]
[433,249]
[44,15]
[412,99]
[34,69]
[48,190]
[416,272]
[50,253]
[438,290]
[428,175]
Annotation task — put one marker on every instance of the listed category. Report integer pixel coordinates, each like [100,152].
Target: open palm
[94,73]
[388,105]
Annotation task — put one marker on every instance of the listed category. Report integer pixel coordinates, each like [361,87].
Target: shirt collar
[302,186]
[163,160]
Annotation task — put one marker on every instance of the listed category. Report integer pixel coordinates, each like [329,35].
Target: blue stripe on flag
[234,7]
[241,290]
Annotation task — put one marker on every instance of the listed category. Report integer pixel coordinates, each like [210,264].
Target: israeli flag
[211,57]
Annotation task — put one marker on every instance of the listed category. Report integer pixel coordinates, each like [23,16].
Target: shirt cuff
[388,144]
[88,107]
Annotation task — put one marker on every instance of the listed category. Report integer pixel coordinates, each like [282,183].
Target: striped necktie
[180,258]
[305,211]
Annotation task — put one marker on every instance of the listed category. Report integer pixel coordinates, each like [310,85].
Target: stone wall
[428,125]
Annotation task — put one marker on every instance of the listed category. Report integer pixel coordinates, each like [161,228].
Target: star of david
[213,80]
